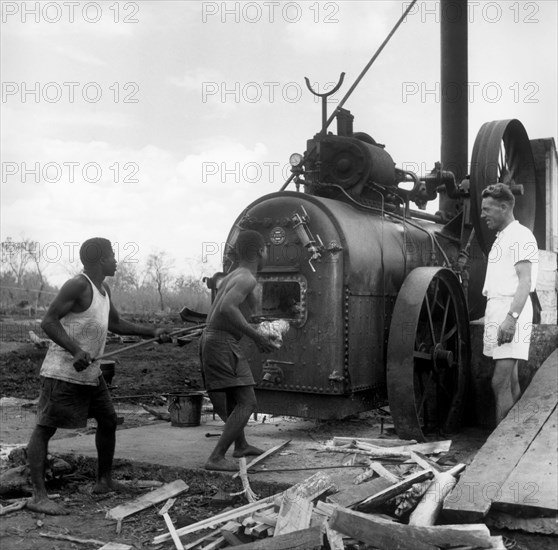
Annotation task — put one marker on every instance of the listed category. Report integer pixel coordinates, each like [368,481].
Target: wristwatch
[514,315]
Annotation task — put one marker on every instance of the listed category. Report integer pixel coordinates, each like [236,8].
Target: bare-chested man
[224,366]
[72,387]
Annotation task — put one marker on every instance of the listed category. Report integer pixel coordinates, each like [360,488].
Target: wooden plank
[206,538]
[116,546]
[430,448]
[310,488]
[268,519]
[428,508]
[219,542]
[472,497]
[357,493]
[401,453]
[149,499]
[307,539]
[424,462]
[531,488]
[383,472]
[231,538]
[263,456]
[377,453]
[294,515]
[334,538]
[394,490]
[543,526]
[392,536]
[59,536]
[172,531]
[337,441]
[164,511]
[212,522]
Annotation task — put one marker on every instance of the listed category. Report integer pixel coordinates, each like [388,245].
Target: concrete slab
[166,445]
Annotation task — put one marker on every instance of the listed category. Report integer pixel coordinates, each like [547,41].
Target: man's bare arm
[523,270]
[230,310]
[506,330]
[121,326]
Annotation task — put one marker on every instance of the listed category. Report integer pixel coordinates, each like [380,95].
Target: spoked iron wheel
[502,154]
[428,354]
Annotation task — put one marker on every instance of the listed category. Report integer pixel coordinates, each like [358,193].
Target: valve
[306,238]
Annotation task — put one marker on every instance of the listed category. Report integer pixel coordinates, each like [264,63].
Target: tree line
[147,286]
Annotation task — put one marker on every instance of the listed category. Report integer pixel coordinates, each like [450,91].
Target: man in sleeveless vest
[511,276]
[224,366]
[72,386]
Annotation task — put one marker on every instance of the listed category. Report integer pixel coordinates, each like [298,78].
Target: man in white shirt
[510,276]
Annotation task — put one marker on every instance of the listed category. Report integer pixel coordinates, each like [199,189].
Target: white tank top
[89,330]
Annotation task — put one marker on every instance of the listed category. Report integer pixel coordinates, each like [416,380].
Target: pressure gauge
[295,160]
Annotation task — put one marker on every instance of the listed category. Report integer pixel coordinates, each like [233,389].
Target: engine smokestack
[454,93]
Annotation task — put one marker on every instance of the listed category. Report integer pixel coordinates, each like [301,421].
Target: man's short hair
[248,244]
[92,250]
[499,192]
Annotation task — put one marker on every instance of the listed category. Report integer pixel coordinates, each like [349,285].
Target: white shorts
[518,348]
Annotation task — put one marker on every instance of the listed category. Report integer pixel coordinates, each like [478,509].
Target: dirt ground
[143,375]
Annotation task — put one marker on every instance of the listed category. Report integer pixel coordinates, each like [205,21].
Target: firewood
[261,457]
[294,515]
[149,499]
[13,507]
[59,536]
[247,490]
[306,539]
[311,488]
[266,518]
[429,507]
[393,536]
[383,472]
[170,526]
[338,441]
[424,462]
[219,542]
[394,490]
[334,538]
[116,546]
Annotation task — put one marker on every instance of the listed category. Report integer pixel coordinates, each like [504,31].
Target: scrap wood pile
[317,514]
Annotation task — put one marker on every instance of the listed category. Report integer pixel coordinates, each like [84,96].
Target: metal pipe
[454,94]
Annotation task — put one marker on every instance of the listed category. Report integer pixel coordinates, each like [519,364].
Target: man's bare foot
[250,450]
[103,486]
[221,465]
[46,506]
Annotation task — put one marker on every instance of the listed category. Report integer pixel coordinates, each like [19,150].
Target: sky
[155,123]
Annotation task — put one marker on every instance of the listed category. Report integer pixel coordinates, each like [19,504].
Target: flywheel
[428,354]
[502,154]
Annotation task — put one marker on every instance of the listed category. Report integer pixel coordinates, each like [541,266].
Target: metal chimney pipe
[454,94]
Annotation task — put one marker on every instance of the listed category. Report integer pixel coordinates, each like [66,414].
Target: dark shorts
[66,405]
[223,363]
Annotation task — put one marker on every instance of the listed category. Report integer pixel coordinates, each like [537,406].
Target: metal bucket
[107,368]
[185,409]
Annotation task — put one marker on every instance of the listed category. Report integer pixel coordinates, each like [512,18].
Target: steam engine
[378,295]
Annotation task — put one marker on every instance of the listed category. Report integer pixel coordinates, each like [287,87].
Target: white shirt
[89,329]
[514,244]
